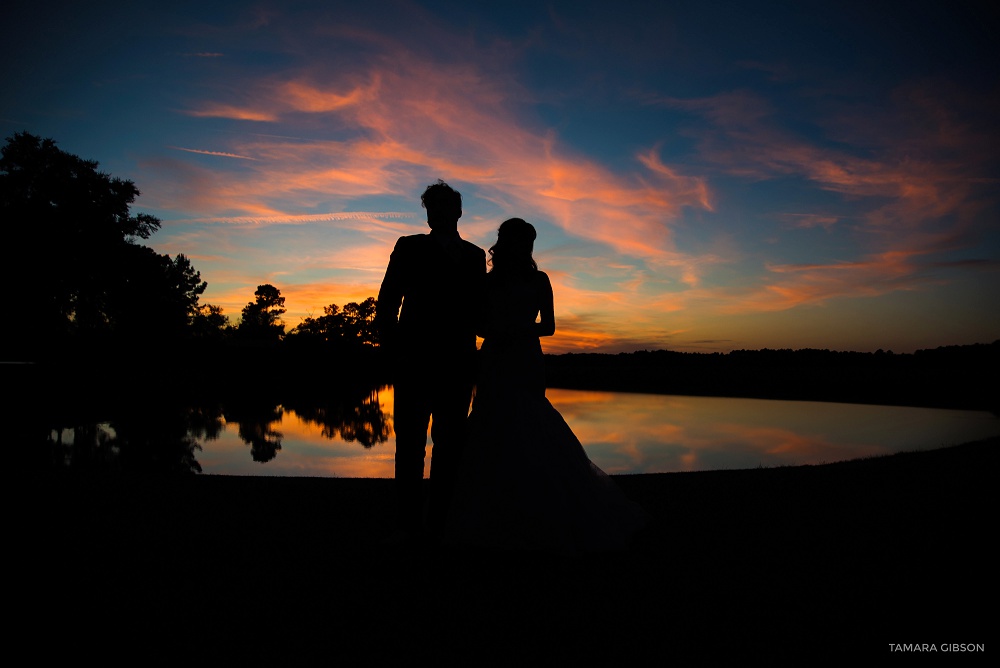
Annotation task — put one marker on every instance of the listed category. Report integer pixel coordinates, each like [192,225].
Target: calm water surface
[642,433]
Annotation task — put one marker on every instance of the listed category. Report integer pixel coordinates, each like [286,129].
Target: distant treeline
[102,320]
[306,368]
[946,377]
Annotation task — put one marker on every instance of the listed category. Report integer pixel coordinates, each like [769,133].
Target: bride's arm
[547,324]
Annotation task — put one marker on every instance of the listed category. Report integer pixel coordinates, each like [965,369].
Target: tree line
[87,296]
[78,272]
[944,377]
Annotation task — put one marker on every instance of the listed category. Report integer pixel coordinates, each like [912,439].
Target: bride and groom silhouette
[511,474]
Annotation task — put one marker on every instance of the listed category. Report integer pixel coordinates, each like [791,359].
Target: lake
[622,433]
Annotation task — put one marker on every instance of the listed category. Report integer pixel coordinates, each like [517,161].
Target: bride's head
[512,251]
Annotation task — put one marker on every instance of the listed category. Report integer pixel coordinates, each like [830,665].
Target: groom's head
[444,206]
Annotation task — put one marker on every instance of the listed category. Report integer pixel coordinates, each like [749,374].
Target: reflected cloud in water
[639,433]
[339,438]
[623,433]
[644,433]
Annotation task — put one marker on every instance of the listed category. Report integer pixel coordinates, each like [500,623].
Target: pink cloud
[917,169]
[368,218]
[382,129]
[788,286]
[918,163]
[412,117]
[232,112]
[302,97]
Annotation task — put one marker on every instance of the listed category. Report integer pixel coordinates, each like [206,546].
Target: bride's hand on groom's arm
[544,329]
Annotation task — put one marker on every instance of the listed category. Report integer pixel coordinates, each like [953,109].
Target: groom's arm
[390,296]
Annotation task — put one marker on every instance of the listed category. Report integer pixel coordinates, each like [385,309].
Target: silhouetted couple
[511,474]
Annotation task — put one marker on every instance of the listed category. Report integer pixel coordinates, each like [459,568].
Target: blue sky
[703,176]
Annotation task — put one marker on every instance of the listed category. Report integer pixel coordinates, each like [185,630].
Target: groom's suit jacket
[430,297]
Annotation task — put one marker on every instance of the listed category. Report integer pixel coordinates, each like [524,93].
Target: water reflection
[255,423]
[158,439]
[366,422]
[634,433]
[338,437]
[351,436]
[639,433]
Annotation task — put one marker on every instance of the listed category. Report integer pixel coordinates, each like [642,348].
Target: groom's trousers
[434,391]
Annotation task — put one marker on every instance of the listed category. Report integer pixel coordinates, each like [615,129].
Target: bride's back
[513,301]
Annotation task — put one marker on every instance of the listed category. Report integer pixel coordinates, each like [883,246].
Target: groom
[437,278]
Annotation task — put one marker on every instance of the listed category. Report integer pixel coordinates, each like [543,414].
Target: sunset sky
[703,176]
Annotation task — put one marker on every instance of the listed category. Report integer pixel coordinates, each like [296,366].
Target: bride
[526,481]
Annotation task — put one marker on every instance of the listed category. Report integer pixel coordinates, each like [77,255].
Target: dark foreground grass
[802,564]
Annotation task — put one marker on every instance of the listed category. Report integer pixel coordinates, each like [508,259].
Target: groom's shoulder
[472,249]
[411,241]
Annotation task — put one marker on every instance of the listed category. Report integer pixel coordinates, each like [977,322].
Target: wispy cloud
[791,285]
[893,190]
[232,112]
[913,177]
[909,181]
[309,218]
[221,154]
[413,117]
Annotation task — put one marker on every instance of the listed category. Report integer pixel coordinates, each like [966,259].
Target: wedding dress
[526,481]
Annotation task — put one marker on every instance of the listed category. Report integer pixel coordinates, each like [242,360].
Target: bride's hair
[512,251]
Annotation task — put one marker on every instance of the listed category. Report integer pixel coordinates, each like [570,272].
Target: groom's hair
[441,199]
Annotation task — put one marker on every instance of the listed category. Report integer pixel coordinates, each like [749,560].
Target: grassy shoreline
[778,562]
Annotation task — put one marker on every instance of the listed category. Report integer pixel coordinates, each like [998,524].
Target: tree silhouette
[353,417]
[359,321]
[210,323]
[71,248]
[352,325]
[327,327]
[154,296]
[257,420]
[261,318]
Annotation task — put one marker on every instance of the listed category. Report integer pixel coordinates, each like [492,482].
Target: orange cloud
[412,117]
[401,120]
[301,97]
[917,174]
[233,112]
[925,174]
[373,218]
[813,284]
